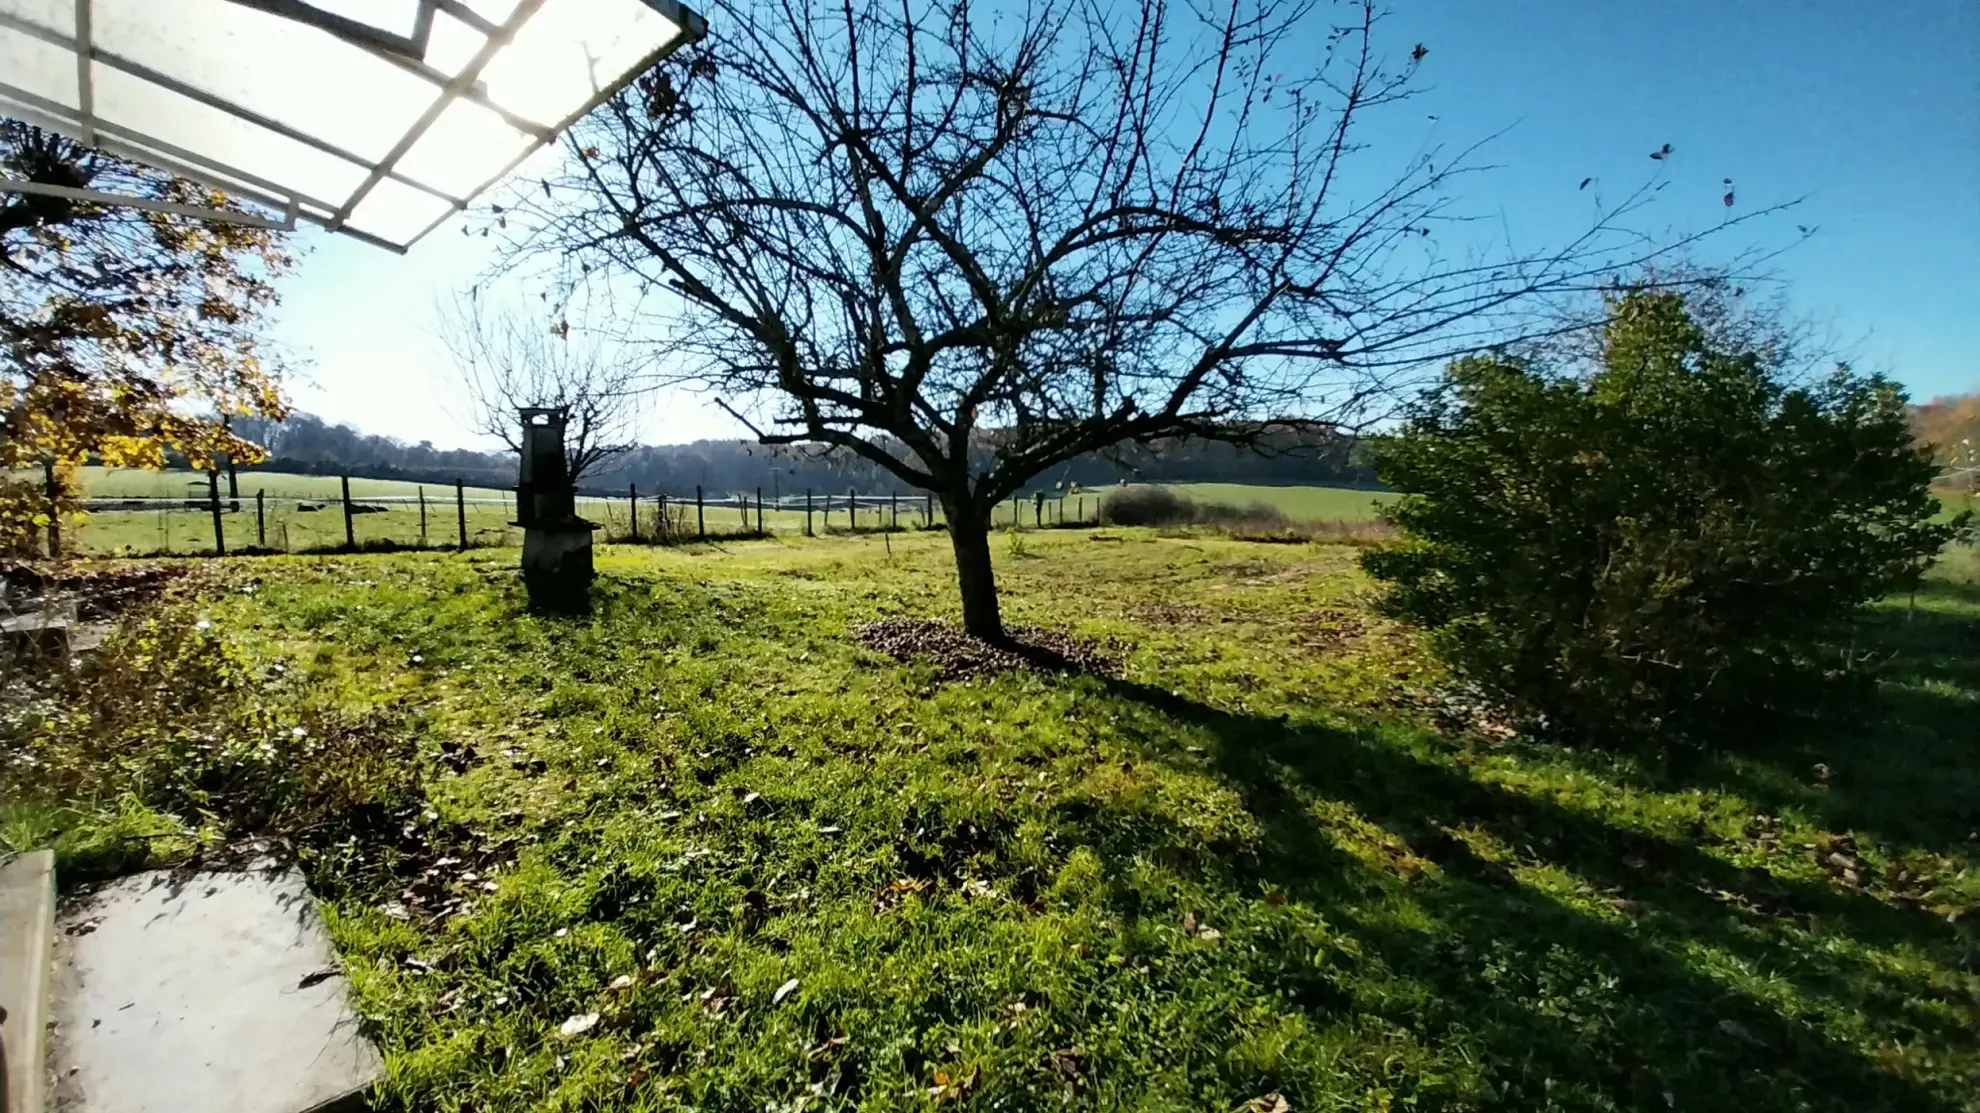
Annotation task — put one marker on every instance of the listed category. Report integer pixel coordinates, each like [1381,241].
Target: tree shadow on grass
[1895,756]
[1665,1034]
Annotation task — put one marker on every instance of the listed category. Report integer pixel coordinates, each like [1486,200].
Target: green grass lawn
[748,864]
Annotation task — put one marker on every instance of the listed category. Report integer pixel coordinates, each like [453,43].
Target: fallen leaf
[784,991]
[623,981]
[1270,1103]
[318,977]
[1070,1065]
[1275,898]
[578,1025]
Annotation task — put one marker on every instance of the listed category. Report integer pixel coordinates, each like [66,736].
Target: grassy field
[288,527]
[101,482]
[1301,504]
[701,850]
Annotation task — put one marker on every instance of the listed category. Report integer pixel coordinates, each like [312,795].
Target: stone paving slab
[202,991]
[27,926]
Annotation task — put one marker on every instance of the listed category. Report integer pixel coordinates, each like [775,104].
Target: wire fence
[257,520]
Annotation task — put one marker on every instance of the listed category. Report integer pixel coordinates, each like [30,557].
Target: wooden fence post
[460,511]
[261,523]
[759,511]
[350,535]
[52,487]
[807,512]
[928,511]
[634,499]
[660,530]
[852,510]
[422,516]
[213,503]
[1017,514]
[700,520]
[894,508]
[1038,509]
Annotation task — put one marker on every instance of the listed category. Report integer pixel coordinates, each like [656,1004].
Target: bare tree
[507,361]
[917,228]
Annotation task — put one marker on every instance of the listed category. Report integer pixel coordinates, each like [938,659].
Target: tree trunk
[969,535]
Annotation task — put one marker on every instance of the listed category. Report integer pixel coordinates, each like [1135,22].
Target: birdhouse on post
[556,556]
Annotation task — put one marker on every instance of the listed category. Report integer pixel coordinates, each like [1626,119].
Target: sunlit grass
[1248,868]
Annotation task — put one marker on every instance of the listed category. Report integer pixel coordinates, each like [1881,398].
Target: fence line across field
[447,516]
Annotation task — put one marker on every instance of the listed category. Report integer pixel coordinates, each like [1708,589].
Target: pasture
[302,513]
[704,848]
[1301,504]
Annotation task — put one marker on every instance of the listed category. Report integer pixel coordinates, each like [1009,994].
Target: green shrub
[1146,506]
[1659,544]
[1161,506]
[171,719]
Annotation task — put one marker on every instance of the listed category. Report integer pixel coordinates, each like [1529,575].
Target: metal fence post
[807,512]
[460,511]
[422,516]
[852,510]
[350,535]
[759,511]
[894,509]
[261,523]
[928,511]
[634,499]
[700,520]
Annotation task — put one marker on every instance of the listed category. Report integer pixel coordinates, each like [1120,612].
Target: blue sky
[1869,111]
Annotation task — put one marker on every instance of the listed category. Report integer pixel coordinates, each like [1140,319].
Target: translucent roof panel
[375,117]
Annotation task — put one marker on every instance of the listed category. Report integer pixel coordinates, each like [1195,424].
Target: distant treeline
[309,445]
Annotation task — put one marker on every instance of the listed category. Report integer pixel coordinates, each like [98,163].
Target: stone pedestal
[556,565]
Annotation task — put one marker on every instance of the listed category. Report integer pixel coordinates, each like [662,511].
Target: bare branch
[508,361]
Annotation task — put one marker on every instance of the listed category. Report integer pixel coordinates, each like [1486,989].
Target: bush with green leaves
[1141,505]
[1657,545]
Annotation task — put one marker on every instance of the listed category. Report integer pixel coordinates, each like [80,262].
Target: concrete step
[182,990]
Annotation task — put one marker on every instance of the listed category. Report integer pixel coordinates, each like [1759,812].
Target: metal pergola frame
[404,51]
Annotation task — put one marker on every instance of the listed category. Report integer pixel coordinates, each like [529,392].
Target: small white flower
[298,732]
[202,626]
